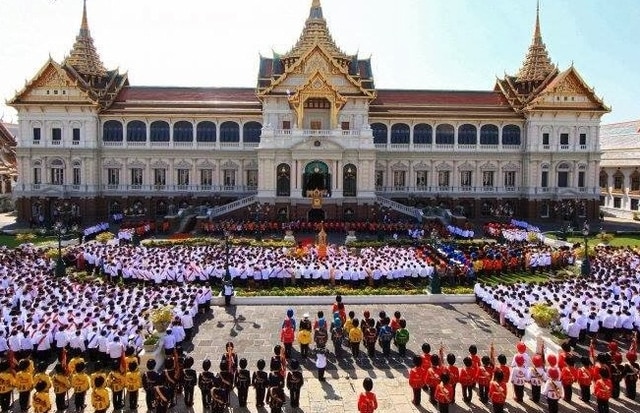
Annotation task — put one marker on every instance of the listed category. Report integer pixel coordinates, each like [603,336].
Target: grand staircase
[232,206]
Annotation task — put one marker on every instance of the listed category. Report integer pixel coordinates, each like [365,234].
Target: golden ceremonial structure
[322,242]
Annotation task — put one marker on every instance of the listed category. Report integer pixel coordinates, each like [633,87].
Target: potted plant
[544,314]
[161,318]
[151,342]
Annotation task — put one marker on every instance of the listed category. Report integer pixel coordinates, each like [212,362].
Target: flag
[492,354]
[592,351]
[441,353]
[123,362]
[63,361]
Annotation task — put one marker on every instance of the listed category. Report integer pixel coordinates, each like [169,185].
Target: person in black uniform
[226,378]
[190,379]
[276,365]
[169,377]
[163,397]
[294,383]
[218,397]
[275,395]
[205,382]
[150,380]
[242,383]
[259,381]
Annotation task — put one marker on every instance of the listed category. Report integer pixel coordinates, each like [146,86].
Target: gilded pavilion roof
[537,64]
[84,57]
[315,32]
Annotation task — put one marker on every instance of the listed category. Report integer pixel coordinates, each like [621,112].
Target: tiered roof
[8,164]
[84,57]
[537,65]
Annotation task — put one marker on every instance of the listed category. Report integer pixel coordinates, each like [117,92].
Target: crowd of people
[604,304]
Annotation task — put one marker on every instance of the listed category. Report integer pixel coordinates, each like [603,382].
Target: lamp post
[61,228]
[585,268]
[435,278]
[258,210]
[227,282]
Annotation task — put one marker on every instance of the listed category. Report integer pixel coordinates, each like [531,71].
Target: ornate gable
[51,84]
[568,91]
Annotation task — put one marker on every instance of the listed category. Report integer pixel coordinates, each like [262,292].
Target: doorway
[316,177]
[316,215]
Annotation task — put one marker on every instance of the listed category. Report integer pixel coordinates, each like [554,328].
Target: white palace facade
[314,139]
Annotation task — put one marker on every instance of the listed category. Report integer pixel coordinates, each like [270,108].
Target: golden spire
[83,56]
[537,64]
[315,31]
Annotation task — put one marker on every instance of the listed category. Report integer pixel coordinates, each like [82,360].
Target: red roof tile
[186,94]
[439,97]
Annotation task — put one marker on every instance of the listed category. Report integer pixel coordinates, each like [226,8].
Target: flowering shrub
[25,237]
[605,237]
[544,315]
[105,237]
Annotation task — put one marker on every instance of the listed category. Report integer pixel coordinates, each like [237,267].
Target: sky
[414,44]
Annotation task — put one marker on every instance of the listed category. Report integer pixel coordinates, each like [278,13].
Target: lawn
[617,241]
[513,278]
[11,242]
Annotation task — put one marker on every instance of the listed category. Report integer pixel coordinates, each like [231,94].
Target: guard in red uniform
[467,379]
[444,393]
[416,380]
[498,392]
[602,391]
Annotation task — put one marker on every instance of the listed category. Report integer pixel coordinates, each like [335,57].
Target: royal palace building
[314,139]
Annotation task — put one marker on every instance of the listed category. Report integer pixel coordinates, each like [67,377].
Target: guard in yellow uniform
[41,375]
[24,384]
[100,395]
[80,382]
[116,383]
[61,385]
[41,398]
[71,366]
[133,382]
[6,386]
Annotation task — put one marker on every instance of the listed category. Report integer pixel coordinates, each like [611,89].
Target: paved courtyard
[255,330]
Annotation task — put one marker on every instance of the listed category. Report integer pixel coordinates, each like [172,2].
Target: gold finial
[84,26]
[83,56]
[536,32]
[537,64]
[316,3]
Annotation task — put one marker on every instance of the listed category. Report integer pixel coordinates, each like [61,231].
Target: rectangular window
[399,179]
[315,125]
[563,179]
[634,204]
[57,176]
[56,134]
[183,177]
[76,176]
[564,139]
[229,178]
[37,176]
[635,182]
[583,139]
[465,179]
[76,134]
[544,179]
[421,179]
[286,124]
[487,179]
[544,210]
[618,182]
[510,179]
[581,176]
[345,125]
[379,179]
[206,177]
[617,202]
[136,177]
[252,178]
[113,177]
[545,139]
[159,177]
[444,179]
[36,134]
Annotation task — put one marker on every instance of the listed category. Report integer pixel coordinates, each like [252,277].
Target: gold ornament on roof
[537,64]
[84,57]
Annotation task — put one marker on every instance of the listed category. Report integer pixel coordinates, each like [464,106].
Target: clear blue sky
[415,44]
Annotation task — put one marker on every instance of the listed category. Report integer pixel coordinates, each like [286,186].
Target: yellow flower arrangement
[105,237]
[161,317]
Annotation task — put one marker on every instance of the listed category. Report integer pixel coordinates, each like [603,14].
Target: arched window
[489,135]
[251,132]
[379,131]
[159,131]
[422,134]
[618,181]
[400,133]
[229,132]
[206,132]
[136,131]
[604,180]
[350,180]
[183,131]
[511,135]
[635,181]
[283,172]
[467,135]
[563,174]
[444,134]
[112,131]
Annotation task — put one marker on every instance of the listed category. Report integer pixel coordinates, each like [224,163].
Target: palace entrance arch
[316,176]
